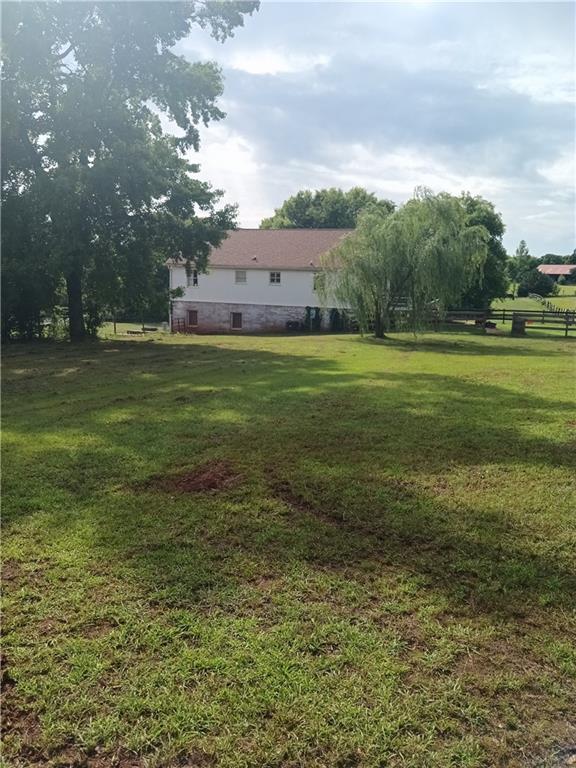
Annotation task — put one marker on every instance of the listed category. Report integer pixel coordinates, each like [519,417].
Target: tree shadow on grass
[484,569]
[328,448]
[461,342]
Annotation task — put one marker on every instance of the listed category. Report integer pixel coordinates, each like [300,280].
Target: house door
[193,318]
[236,321]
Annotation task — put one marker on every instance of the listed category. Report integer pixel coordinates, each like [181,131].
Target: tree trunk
[75,305]
[379,326]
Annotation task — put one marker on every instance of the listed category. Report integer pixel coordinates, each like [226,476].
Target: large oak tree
[94,189]
[325,208]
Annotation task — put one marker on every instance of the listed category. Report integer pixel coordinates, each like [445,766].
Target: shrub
[535,282]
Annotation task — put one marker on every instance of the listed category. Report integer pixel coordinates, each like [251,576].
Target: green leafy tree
[84,87]
[553,258]
[325,208]
[534,281]
[521,263]
[424,255]
[492,283]
[28,285]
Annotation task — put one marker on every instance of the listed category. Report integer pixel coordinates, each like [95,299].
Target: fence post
[566,329]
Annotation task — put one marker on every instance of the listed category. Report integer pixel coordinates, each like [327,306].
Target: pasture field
[517,304]
[290,552]
[566,299]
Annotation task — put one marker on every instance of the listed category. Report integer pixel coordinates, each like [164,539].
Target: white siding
[218,285]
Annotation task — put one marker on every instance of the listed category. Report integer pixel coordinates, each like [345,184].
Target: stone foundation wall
[215,317]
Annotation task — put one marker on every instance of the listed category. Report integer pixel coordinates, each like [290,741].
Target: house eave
[171,263]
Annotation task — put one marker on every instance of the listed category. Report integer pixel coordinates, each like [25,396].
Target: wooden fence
[557,320]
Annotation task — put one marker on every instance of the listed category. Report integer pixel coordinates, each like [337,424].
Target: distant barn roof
[556,269]
[276,248]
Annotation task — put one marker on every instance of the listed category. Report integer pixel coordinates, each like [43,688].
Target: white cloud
[229,162]
[382,95]
[395,174]
[232,162]
[562,172]
[543,215]
[270,62]
[544,77]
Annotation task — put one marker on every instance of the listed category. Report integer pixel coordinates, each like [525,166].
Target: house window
[192,279]
[240,276]
[274,278]
[193,318]
[236,320]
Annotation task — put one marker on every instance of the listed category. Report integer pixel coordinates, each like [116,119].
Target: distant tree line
[553,258]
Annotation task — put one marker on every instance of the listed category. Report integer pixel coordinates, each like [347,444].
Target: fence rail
[550,320]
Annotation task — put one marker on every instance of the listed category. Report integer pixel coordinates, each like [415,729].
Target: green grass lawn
[291,552]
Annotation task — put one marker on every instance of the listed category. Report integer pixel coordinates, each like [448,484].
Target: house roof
[556,269]
[276,248]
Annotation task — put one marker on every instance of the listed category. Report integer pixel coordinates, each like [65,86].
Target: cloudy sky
[389,96]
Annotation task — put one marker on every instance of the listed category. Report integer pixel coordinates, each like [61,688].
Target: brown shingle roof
[276,248]
[556,269]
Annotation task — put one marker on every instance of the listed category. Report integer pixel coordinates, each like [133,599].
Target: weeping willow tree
[426,254]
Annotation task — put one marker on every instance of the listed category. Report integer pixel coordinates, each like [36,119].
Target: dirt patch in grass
[195,758]
[23,726]
[397,490]
[98,629]
[265,582]
[121,758]
[14,576]
[27,729]
[212,476]
[17,724]
[71,756]
[11,571]
[284,493]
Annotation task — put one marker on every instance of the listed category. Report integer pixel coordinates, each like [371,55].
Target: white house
[257,280]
